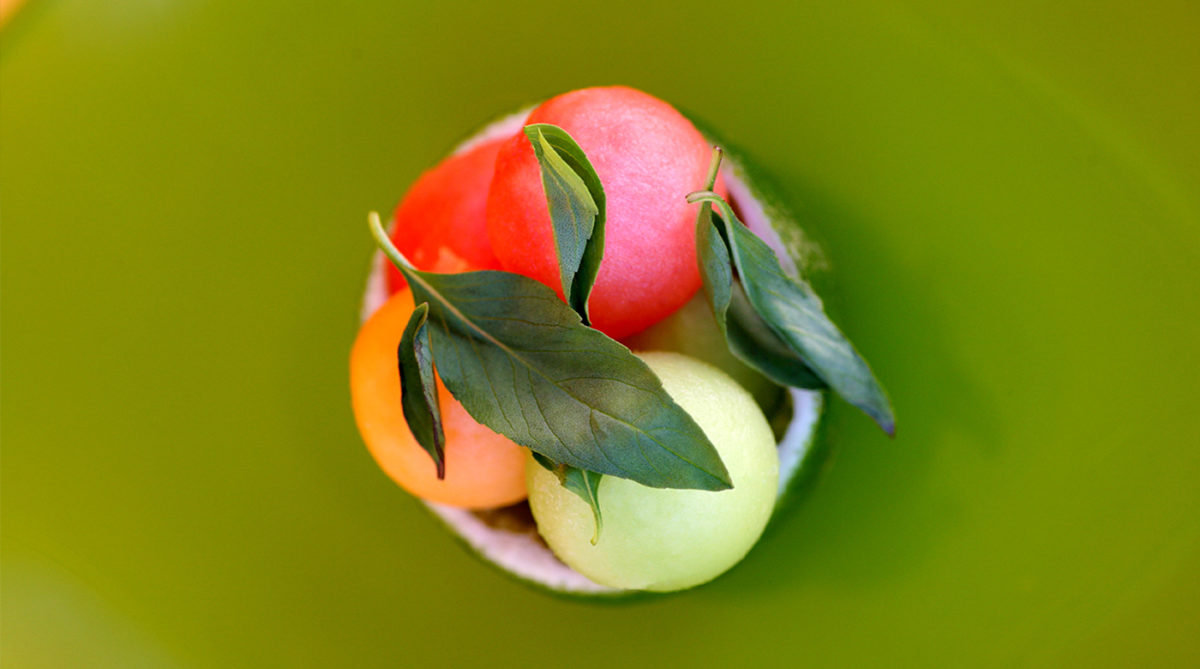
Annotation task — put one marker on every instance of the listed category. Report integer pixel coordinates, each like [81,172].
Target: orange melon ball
[483,469]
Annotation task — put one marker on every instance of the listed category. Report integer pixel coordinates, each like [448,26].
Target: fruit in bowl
[611,224]
[664,539]
[482,469]
[648,157]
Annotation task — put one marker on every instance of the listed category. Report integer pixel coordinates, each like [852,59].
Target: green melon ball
[692,330]
[664,539]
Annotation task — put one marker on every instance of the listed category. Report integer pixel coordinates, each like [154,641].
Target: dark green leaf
[418,388]
[754,342]
[716,268]
[545,462]
[794,313]
[575,198]
[521,362]
[749,338]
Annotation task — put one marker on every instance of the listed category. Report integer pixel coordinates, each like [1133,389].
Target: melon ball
[484,469]
[664,539]
[648,157]
[440,224]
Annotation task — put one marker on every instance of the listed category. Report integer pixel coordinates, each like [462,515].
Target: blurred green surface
[1009,194]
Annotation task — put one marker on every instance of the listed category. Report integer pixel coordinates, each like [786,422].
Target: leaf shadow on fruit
[874,508]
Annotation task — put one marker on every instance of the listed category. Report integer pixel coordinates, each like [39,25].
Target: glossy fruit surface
[660,539]
[649,157]
[483,469]
[439,225]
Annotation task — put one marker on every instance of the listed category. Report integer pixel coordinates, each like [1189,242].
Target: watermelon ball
[664,539]
[484,469]
[648,157]
[440,225]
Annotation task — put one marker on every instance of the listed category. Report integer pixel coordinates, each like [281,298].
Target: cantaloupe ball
[483,469]
[648,157]
[663,539]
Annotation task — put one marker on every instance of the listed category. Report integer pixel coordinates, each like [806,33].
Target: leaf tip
[722,480]
[886,420]
[597,521]
[532,130]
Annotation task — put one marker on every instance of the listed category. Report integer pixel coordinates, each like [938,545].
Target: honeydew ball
[665,539]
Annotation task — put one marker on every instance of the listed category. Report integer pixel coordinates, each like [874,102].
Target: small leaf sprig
[773,321]
[575,198]
[418,388]
[583,483]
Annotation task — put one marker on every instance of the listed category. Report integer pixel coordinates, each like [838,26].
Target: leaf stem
[709,197]
[385,244]
[714,168]
[703,196]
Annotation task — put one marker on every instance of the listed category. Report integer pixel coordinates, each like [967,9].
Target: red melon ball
[440,224]
[648,157]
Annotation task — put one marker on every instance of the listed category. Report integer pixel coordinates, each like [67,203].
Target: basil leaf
[583,483]
[546,463]
[753,342]
[796,316]
[580,481]
[418,389]
[587,485]
[716,269]
[575,198]
[749,338]
[522,362]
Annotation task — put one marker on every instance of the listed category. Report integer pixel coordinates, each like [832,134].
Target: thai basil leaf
[583,483]
[794,313]
[523,363]
[586,485]
[545,462]
[575,198]
[418,388]
[749,338]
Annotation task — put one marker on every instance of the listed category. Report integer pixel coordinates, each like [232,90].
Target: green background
[1008,193]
